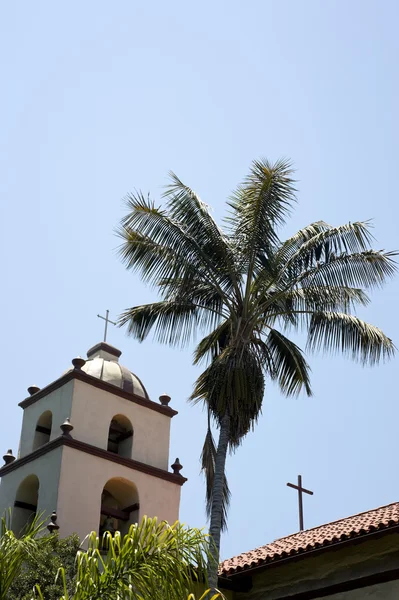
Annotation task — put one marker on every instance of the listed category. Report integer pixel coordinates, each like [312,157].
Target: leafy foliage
[42,567]
[15,551]
[153,560]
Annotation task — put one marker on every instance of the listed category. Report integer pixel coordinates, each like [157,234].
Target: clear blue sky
[99,98]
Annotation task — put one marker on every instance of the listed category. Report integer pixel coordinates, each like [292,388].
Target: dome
[103,362]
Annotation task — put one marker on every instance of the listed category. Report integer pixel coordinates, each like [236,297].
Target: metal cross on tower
[107,320]
[300,492]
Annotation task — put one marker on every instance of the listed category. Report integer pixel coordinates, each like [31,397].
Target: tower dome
[103,362]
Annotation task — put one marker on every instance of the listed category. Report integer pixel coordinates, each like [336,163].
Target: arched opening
[119,506]
[25,505]
[43,430]
[120,436]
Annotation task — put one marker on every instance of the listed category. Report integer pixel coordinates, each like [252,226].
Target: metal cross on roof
[301,490]
[107,320]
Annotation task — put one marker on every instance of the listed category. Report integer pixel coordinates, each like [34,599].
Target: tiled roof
[381,518]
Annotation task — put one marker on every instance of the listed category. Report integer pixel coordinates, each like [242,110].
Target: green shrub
[42,567]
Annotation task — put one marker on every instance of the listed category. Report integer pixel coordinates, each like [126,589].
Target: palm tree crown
[245,290]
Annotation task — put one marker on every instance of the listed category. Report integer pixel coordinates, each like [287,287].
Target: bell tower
[95,449]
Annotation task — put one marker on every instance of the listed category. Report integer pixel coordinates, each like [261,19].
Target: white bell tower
[95,449]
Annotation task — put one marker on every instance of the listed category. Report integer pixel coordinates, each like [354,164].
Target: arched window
[120,436]
[25,505]
[43,430]
[119,506]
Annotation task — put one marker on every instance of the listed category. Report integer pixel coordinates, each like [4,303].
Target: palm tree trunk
[217,502]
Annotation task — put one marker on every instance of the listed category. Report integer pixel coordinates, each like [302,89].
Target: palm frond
[260,205]
[153,261]
[290,367]
[350,238]
[213,344]
[162,229]
[327,297]
[172,323]
[185,207]
[368,270]
[339,332]
[154,559]
[268,275]
[296,306]
[14,551]
[292,244]
[201,294]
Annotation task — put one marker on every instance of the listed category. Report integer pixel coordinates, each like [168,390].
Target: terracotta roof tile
[311,539]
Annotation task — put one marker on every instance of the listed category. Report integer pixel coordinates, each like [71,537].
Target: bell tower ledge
[77,373]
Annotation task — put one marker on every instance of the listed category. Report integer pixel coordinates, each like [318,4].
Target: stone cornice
[135,465]
[103,385]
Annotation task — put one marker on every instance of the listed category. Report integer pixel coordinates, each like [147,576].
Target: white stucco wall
[82,480]
[59,402]
[381,591]
[47,469]
[91,414]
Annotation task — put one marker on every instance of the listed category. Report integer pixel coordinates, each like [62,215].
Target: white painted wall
[59,402]
[91,414]
[82,480]
[91,410]
[71,482]
[47,468]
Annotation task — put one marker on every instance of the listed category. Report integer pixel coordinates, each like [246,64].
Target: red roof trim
[375,521]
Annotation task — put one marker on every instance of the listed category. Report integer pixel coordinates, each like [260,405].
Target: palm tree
[244,289]
[153,560]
